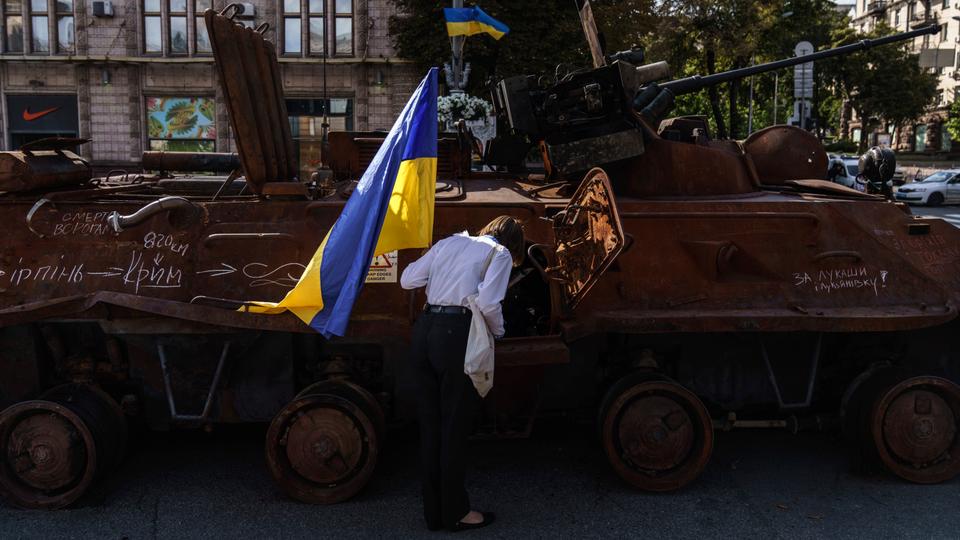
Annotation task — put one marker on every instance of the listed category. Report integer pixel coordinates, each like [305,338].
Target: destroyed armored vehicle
[674,285]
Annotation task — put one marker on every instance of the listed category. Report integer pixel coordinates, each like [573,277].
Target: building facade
[928,133]
[137,75]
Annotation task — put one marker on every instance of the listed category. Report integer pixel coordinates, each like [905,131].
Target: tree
[953,121]
[885,83]
[543,35]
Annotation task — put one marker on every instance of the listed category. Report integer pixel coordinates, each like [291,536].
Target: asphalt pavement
[949,213]
[760,484]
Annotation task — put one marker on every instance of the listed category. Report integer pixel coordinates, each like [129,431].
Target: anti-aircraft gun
[612,112]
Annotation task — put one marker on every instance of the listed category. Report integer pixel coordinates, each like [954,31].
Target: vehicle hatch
[588,236]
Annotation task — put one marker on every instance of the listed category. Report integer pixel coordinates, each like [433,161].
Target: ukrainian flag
[470,21]
[391,208]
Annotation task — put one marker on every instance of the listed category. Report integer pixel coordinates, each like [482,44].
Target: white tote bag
[478,362]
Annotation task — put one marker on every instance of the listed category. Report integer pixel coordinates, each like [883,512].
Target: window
[181,124]
[152,40]
[178,27]
[307,27]
[306,127]
[291,27]
[943,32]
[51,24]
[13,26]
[39,27]
[202,39]
[175,27]
[946,4]
[65,35]
[344,29]
[896,18]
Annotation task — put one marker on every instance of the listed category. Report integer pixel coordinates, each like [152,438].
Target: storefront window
[945,143]
[39,116]
[920,138]
[181,124]
[306,119]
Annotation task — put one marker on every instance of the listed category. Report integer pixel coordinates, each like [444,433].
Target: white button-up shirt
[451,270]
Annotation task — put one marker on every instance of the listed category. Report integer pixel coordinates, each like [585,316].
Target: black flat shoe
[488,518]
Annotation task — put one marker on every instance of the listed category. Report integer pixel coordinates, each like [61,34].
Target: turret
[613,112]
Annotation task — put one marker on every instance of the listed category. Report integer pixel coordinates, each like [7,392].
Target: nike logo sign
[30,117]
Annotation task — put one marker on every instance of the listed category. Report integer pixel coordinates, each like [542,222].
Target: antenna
[590,31]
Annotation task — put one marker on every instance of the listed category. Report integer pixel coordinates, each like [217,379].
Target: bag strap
[486,263]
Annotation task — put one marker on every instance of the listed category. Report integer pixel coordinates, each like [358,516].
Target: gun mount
[612,113]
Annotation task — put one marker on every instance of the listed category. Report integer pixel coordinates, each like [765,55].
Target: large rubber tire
[935,199]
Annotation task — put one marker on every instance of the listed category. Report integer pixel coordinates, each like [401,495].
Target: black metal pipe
[697,82]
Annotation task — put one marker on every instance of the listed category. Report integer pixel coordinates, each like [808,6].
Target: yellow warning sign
[383,269]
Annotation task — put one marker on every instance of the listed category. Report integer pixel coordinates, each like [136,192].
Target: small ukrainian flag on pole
[473,20]
[391,208]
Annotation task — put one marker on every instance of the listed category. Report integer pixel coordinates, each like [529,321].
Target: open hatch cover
[588,236]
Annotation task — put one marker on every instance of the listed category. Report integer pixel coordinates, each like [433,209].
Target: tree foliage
[695,37]
[884,83]
[542,35]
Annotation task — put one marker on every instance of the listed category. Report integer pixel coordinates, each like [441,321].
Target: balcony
[877,7]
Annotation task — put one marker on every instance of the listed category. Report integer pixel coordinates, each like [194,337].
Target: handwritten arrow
[217,272]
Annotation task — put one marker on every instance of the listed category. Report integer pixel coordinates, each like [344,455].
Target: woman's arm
[492,290]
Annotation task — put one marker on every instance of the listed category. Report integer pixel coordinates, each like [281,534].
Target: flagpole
[456,44]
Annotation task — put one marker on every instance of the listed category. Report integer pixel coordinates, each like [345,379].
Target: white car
[848,177]
[938,188]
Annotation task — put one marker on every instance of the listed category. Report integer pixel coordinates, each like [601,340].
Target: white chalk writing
[60,273]
[151,273]
[82,224]
[828,281]
[155,240]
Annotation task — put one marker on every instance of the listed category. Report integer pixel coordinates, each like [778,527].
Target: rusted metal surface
[657,435]
[914,427]
[322,448]
[57,447]
[688,259]
[772,147]
[222,162]
[249,78]
[351,152]
[41,169]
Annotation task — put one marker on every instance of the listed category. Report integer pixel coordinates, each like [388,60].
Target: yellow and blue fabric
[472,20]
[391,208]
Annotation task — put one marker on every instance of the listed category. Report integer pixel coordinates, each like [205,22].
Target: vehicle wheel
[52,450]
[657,435]
[914,428]
[935,199]
[856,408]
[354,393]
[322,448]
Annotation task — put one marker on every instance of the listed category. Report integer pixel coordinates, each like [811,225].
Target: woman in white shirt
[452,270]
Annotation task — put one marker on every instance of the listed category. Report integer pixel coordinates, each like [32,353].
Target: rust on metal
[57,447]
[914,426]
[650,246]
[322,448]
[657,435]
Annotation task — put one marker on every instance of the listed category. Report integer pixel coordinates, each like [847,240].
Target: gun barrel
[697,82]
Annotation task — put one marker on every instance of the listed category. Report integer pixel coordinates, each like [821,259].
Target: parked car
[846,171]
[937,188]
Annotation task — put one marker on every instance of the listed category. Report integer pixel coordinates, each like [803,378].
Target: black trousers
[447,405]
